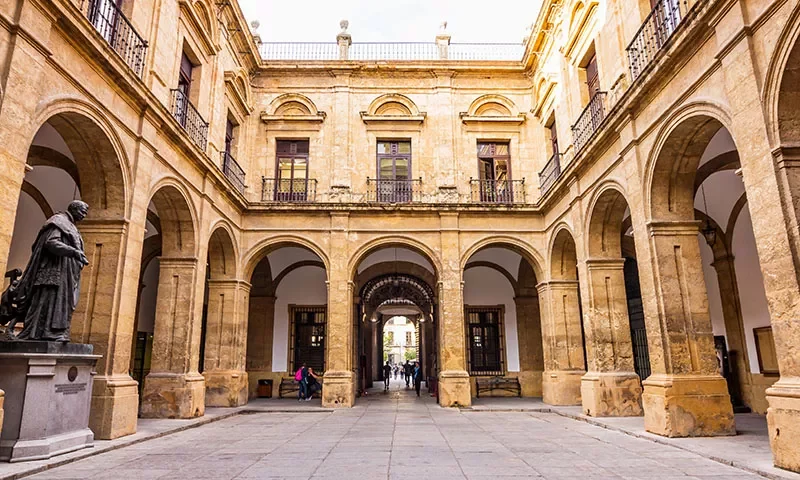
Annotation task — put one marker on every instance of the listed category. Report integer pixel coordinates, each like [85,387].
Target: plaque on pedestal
[48,387]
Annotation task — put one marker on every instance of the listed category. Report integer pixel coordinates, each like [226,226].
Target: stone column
[2,400]
[734,323]
[101,319]
[339,381]
[611,387]
[531,356]
[260,327]
[226,331]
[172,389]
[562,340]
[454,384]
[685,396]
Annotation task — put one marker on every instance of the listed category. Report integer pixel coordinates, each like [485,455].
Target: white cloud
[498,21]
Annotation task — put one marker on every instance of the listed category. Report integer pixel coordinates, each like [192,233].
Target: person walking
[408,370]
[302,379]
[417,377]
[387,375]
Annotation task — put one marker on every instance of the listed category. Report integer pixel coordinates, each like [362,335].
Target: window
[494,172]
[592,76]
[229,126]
[553,134]
[485,336]
[409,338]
[308,331]
[394,172]
[292,170]
[185,75]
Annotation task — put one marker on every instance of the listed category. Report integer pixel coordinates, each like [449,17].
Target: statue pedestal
[48,391]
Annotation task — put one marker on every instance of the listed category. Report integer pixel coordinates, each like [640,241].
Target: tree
[411,353]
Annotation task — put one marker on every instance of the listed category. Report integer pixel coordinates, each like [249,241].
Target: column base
[783,421]
[115,406]
[687,406]
[530,383]
[562,387]
[338,389]
[611,394]
[173,395]
[225,388]
[454,389]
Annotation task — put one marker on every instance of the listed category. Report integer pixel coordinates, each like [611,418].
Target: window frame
[499,310]
[293,310]
[292,193]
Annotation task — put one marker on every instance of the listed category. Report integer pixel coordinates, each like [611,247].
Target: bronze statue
[47,294]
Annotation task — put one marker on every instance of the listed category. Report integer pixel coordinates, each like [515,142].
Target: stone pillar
[734,323]
[339,382]
[611,387]
[531,355]
[685,396]
[454,385]
[562,340]
[226,331]
[101,320]
[260,339]
[172,389]
[2,400]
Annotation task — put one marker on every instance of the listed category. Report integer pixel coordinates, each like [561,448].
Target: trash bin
[264,388]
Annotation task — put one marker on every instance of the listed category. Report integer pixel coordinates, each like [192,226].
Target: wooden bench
[290,386]
[506,384]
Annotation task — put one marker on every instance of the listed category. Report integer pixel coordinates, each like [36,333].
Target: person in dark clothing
[313,385]
[417,377]
[408,370]
[387,375]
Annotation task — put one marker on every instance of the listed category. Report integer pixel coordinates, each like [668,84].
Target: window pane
[384,148]
[484,149]
[501,149]
[300,167]
[404,147]
[386,171]
[401,169]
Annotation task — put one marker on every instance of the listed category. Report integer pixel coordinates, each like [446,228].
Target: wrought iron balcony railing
[232,170]
[394,191]
[115,28]
[288,190]
[400,51]
[589,120]
[497,191]
[654,33]
[190,119]
[550,173]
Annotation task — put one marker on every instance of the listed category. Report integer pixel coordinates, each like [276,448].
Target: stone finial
[254,26]
[343,24]
[443,41]
[344,40]
[443,27]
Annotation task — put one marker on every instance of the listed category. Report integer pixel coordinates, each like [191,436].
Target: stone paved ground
[397,436]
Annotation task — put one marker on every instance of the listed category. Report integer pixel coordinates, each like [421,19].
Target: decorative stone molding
[292,107]
[393,107]
[492,109]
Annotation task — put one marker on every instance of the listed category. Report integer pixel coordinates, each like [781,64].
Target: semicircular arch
[255,254]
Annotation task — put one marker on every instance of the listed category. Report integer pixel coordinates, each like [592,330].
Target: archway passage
[287,319]
[611,386]
[697,204]
[395,281]
[173,386]
[562,329]
[503,328]
[73,156]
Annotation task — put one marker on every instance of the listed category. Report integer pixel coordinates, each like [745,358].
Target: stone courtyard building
[606,212]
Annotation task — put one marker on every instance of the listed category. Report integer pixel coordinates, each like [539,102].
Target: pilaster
[531,356]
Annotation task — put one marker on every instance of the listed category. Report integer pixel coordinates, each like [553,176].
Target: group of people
[408,371]
[309,384]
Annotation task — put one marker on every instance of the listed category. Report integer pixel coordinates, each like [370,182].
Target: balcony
[497,191]
[589,120]
[233,171]
[394,191]
[654,33]
[118,32]
[288,190]
[550,173]
[397,51]
[189,118]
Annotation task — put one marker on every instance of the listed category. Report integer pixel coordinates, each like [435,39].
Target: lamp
[708,230]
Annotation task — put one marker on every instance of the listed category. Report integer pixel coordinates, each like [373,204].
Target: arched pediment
[393,107]
[492,108]
[238,90]
[292,107]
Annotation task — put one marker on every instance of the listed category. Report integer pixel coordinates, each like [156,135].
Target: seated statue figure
[47,294]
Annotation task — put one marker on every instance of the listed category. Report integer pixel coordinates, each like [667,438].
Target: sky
[392,21]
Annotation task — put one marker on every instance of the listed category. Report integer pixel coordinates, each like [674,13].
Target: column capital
[673,227]
[177,261]
[598,263]
[556,285]
[229,282]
